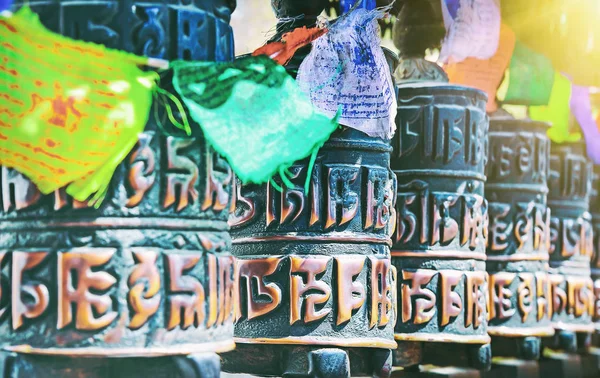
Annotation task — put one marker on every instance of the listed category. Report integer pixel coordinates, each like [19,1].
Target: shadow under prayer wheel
[439,156]
[571,247]
[147,274]
[520,305]
[316,287]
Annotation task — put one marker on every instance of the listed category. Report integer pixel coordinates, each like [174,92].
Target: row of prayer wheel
[466,236]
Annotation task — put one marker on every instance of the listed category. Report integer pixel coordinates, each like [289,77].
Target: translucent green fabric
[557,112]
[531,77]
[253,113]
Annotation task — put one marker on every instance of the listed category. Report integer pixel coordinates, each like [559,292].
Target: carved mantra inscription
[570,175]
[518,154]
[527,223]
[572,300]
[314,287]
[442,298]
[332,202]
[186,288]
[571,238]
[522,296]
[441,133]
[452,220]
[180,180]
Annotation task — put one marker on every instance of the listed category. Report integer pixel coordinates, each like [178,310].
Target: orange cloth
[485,74]
[282,52]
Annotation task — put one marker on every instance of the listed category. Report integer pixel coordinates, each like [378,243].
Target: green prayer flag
[253,113]
[70,111]
[557,112]
[531,77]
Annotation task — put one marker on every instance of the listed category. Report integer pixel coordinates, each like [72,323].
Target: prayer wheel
[95,292]
[595,211]
[316,288]
[571,247]
[519,236]
[439,155]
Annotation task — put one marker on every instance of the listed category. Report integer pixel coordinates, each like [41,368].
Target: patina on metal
[316,287]
[314,268]
[439,156]
[571,246]
[520,302]
[149,273]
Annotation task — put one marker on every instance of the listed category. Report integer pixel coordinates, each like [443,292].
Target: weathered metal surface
[571,238]
[595,265]
[314,268]
[150,272]
[520,301]
[440,151]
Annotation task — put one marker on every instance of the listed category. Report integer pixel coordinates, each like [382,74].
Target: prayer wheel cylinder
[518,237]
[316,288]
[439,156]
[595,211]
[571,244]
[147,274]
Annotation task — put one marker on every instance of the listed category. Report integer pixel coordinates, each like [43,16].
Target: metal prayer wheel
[571,247]
[147,274]
[439,155]
[316,288]
[520,304]
[595,211]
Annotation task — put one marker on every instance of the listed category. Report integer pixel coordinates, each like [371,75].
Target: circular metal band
[173,350]
[443,338]
[310,340]
[520,332]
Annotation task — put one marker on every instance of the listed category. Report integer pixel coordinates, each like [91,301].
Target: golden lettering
[227,287]
[38,293]
[216,192]
[144,283]
[212,291]
[380,292]
[543,292]
[181,173]
[141,176]
[451,301]
[254,272]
[525,295]
[559,296]
[444,228]
[425,300]
[76,280]
[185,293]
[500,295]
[340,195]
[317,292]
[351,294]
[475,301]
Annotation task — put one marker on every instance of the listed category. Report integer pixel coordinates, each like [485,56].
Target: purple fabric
[346,5]
[452,6]
[581,108]
[5,5]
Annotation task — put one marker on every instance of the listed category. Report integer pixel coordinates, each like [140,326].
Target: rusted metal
[149,273]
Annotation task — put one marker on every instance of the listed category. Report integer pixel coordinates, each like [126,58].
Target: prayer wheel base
[590,362]
[438,372]
[307,361]
[15,365]
[555,365]
[472,356]
[521,348]
[512,367]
